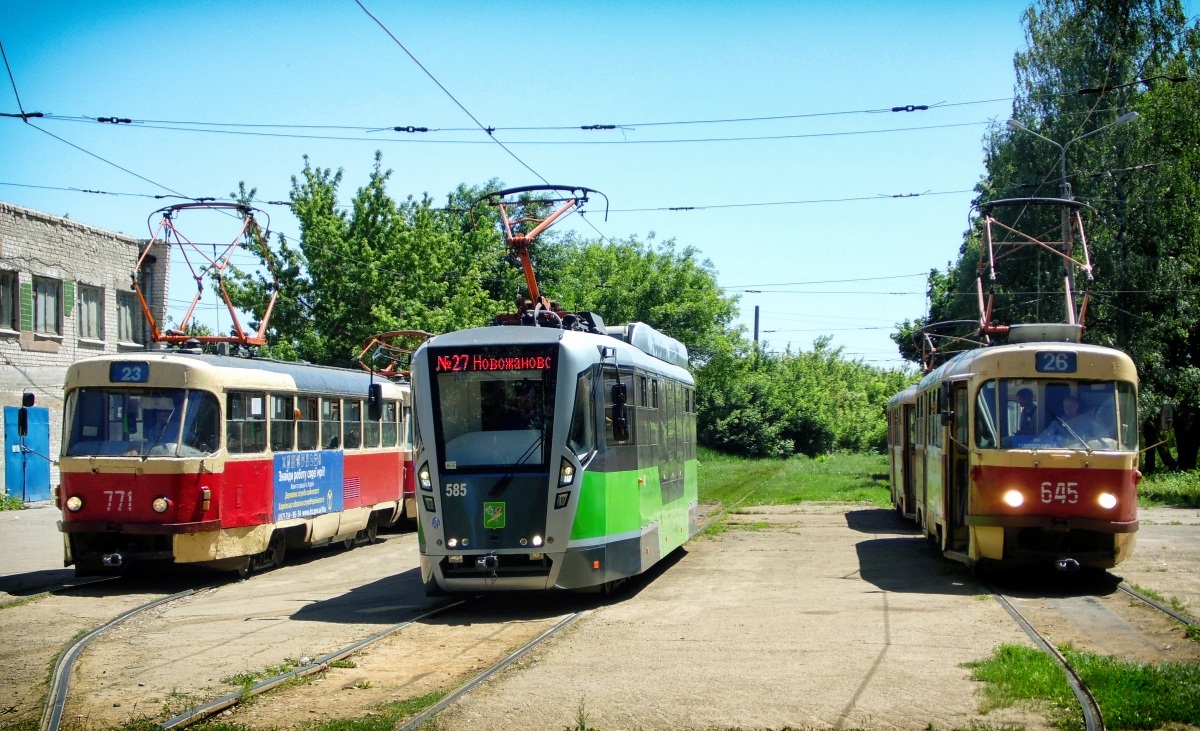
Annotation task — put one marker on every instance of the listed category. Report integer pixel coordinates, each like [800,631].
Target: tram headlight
[1107,500]
[452,542]
[424,478]
[160,504]
[1014,498]
[537,541]
[74,503]
[566,473]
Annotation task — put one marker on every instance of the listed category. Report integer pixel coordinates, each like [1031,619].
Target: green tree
[1086,63]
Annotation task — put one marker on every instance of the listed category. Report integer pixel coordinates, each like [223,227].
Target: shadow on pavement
[880,520]
[401,596]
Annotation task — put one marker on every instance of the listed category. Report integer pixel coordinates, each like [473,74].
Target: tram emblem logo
[493,516]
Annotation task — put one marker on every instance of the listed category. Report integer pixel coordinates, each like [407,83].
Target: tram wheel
[277,550]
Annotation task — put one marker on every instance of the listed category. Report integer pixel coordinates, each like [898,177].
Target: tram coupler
[1066,565]
[112,559]
[487,563]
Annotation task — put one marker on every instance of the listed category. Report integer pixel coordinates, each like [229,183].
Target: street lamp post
[1065,193]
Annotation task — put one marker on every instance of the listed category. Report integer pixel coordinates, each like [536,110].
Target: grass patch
[1173,489]
[345,664]
[1131,695]
[385,717]
[11,502]
[842,477]
[24,600]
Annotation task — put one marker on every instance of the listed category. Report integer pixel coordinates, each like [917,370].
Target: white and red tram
[225,461]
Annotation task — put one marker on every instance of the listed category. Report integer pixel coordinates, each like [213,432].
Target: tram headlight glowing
[537,541]
[452,542]
[1107,500]
[424,478]
[566,473]
[74,503]
[1014,498]
[160,504]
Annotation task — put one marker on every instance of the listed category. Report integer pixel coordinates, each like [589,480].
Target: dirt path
[825,616]
[809,616]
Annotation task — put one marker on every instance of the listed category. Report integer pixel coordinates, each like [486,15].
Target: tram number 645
[123,499]
[1063,492]
[456,489]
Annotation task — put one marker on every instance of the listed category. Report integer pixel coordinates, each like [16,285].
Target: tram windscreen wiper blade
[1073,433]
[502,484]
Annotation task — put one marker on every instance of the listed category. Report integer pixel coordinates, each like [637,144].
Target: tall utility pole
[1065,192]
[756,324]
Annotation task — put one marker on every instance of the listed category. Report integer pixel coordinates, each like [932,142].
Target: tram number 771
[1063,492]
[124,500]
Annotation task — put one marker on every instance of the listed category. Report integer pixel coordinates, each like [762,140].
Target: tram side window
[308,430]
[351,424]
[370,433]
[245,423]
[406,426]
[582,438]
[283,424]
[642,392]
[389,424]
[331,423]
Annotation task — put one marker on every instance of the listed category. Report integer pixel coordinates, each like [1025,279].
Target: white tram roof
[1017,360]
[626,339]
[236,372]
[907,396]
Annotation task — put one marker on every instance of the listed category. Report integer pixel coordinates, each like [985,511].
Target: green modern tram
[553,453]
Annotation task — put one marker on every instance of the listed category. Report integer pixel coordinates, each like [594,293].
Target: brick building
[65,295]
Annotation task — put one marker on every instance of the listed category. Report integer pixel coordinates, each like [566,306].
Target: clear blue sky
[526,64]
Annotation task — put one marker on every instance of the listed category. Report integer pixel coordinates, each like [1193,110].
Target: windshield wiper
[1073,433]
[504,481]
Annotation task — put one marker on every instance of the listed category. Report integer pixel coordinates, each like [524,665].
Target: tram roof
[306,376]
[968,362]
[907,396]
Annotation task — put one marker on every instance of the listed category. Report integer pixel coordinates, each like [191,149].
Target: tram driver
[1073,426]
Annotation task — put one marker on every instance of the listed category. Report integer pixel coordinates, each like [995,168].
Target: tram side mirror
[620,412]
[22,421]
[1166,416]
[28,399]
[375,401]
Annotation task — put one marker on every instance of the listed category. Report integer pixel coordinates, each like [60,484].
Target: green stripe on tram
[612,503]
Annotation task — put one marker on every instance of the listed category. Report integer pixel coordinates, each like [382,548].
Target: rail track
[213,707]
[60,679]
[1092,715]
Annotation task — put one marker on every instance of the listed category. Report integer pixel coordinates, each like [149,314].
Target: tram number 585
[1063,492]
[119,500]
[456,489]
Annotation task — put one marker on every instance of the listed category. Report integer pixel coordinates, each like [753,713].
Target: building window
[46,306]
[9,310]
[129,318]
[91,312]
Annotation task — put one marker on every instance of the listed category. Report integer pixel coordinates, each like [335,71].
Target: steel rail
[217,705]
[1092,719]
[60,679]
[1158,605]
[469,685]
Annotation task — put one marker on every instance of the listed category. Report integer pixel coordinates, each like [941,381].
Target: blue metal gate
[27,461]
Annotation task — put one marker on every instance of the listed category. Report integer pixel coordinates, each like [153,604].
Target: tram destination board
[1056,361]
[128,371]
[492,360]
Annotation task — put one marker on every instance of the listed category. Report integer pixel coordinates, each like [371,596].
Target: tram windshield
[126,422]
[494,418]
[1032,413]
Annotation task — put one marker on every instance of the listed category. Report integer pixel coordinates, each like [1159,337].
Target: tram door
[906,459]
[958,470]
